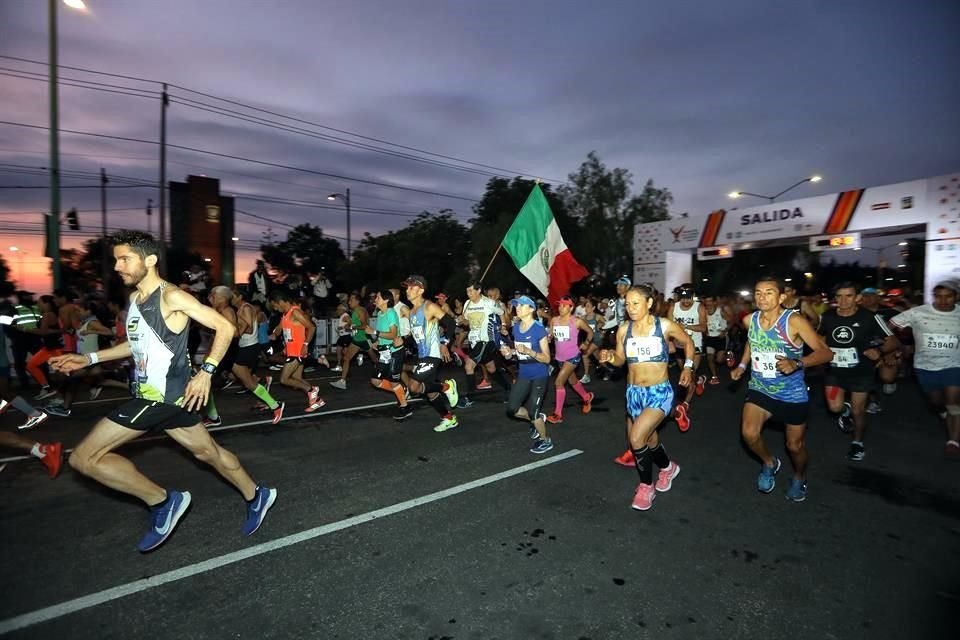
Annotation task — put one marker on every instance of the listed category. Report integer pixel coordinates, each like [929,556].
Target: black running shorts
[789,413]
[146,415]
[248,356]
[426,370]
[852,380]
[392,369]
[482,352]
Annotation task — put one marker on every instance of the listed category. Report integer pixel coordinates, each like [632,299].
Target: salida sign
[777,215]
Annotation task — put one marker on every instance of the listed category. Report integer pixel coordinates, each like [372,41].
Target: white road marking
[85,602]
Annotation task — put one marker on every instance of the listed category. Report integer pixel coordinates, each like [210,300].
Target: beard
[134,278]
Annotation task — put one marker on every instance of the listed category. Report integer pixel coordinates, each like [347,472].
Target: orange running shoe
[278,413]
[701,380]
[52,457]
[555,418]
[680,415]
[626,459]
[484,385]
[588,404]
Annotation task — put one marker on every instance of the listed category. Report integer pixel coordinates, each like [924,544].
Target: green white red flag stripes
[537,248]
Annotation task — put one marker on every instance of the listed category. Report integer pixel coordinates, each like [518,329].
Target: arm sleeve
[449,326]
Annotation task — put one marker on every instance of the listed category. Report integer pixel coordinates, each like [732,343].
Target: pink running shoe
[680,415]
[643,498]
[484,385]
[626,459]
[666,476]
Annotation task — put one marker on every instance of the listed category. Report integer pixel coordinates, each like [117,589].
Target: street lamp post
[20,253]
[737,194]
[346,202]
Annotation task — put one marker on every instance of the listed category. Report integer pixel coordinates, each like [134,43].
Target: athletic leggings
[38,359]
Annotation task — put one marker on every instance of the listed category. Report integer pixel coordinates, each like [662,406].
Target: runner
[51,345]
[390,347]
[532,350]
[859,340]
[715,342]
[594,320]
[35,417]
[483,318]
[777,388]
[297,330]
[248,348]
[642,345]
[426,321]
[167,395]
[936,331]
[87,340]
[693,317]
[566,329]
[344,333]
[359,320]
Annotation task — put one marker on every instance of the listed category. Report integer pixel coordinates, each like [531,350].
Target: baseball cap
[441,296]
[565,300]
[869,291]
[527,300]
[896,293]
[415,280]
[953,285]
[623,280]
[685,292]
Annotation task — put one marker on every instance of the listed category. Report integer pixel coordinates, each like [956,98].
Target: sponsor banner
[942,263]
[654,273]
[943,200]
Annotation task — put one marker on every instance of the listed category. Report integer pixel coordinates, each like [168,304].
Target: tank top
[400,308]
[343,327]
[643,349]
[294,335]
[359,332]
[160,358]
[765,345]
[688,317]
[87,342]
[263,331]
[716,323]
[425,334]
[565,340]
[252,337]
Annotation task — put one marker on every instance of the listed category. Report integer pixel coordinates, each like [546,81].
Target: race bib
[845,357]
[561,333]
[475,336]
[386,356]
[417,333]
[523,356]
[941,341]
[287,335]
[765,363]
[644,349]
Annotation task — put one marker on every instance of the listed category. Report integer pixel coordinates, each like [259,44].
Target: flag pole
[490,264]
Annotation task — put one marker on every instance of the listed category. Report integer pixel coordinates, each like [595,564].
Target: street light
[737,194]
[20,253]
[346,202]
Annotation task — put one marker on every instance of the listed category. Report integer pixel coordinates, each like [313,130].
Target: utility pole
[53,221]
[164,102]
[149,215]
[347,202]
[104,257]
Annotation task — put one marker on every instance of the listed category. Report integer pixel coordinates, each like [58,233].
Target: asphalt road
[387,530]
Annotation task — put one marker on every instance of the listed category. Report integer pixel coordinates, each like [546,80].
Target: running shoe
[45,392]
[453,396]
[242,391]
[52,457]
[403,413]
[323,360]
[680,415]
[95,392]
[163,519]
[644,497]
[257,509]
[701,380]
[309,369]
[555,418]
[484,385]
[34,421]
[360,360]
[229,383]
[767,480]
[276,367]
[797,491]
[873,408]
[57,410]
[267,381]
[534,434]
[336,369]
[586,379]
[889,388]
[278,412]
[626,459]
[856,452]
[339,384]
[714,380]
[952,450]
[845,419]
[666,476]
[446,424]
[3,405]
[314,394]
[541,445]
[465,403]
[212,422]
[313,406]
[587,405]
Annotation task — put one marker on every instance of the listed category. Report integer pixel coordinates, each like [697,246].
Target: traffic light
[72,221]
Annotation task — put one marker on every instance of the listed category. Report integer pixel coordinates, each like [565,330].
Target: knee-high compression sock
[659,456]
[561,392]
[439,404]
[399,392]
[262,393]
[212,408]
[644,464]
[500,375]
[581,391]
[471,382]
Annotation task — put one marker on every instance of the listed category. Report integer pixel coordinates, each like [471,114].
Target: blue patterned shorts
[659,396]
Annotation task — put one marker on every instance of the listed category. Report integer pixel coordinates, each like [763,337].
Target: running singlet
[385,320]
[765,346]
[294,335]
[716,323]
[688,317]
[641,349]
[359,333]
[530,369]
[252,337]
[87,342]
[404,318]
[849,336]
[565,340]
[936,334]
[425,334]
[480,316]
[159,355]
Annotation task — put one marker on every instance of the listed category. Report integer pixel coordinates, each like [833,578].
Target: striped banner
[843,210]
[712,228]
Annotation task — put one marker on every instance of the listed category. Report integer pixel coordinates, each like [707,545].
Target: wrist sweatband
[742,366]
[688,364]
[93,358]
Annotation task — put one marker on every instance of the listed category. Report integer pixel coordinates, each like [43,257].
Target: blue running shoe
[797,491]
[163,519]
[257,509]
[766,481]
[465,403]
[542,445]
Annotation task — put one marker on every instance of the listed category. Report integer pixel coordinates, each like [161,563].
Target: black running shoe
[403,413]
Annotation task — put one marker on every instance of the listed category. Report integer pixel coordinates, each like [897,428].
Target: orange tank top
[294,335]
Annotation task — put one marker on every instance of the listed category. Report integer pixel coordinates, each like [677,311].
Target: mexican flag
[538,250]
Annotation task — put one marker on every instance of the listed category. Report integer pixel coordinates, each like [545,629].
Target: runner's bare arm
[583,326]
[801,327]
[680,336]
[177,300]
[70,362]
[310,328]
[615,356]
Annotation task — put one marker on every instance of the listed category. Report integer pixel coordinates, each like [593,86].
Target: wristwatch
[209,367]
